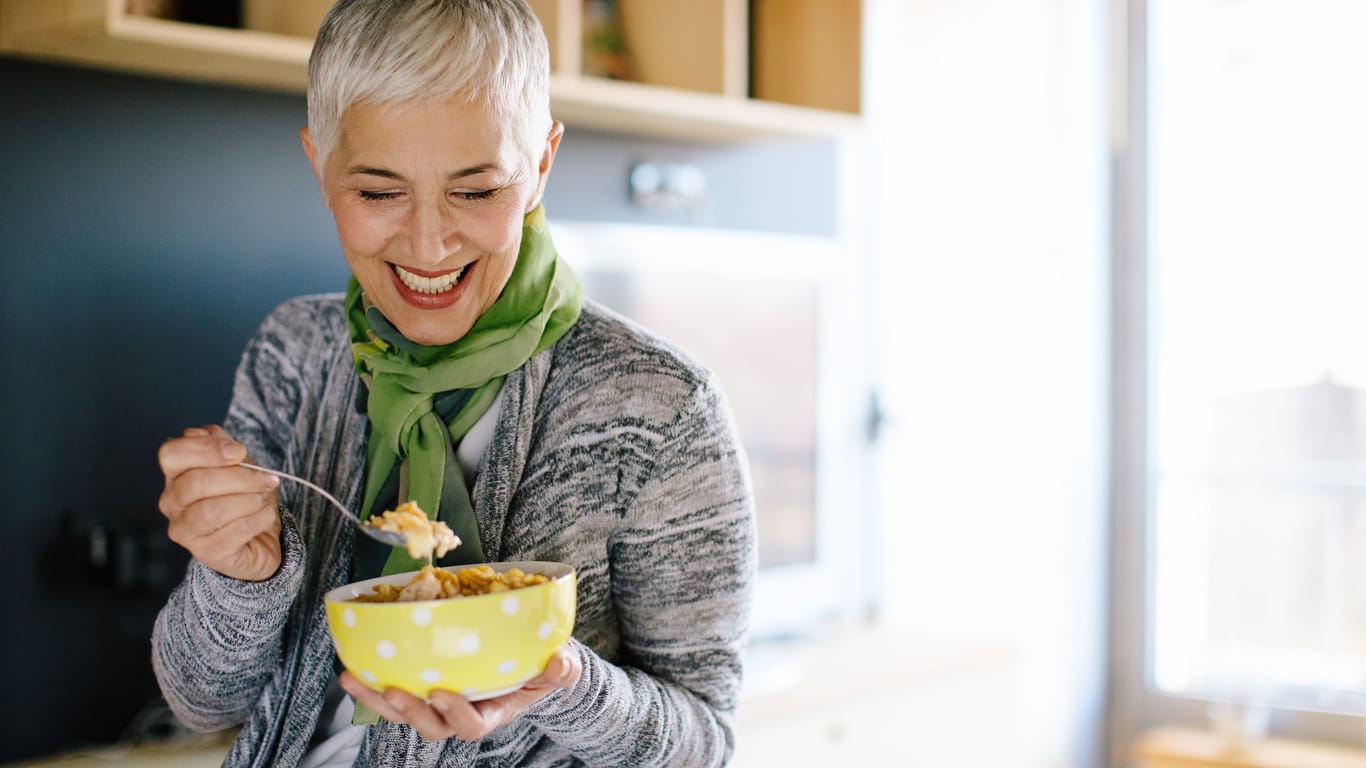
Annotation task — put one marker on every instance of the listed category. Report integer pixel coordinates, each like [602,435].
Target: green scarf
[408,383]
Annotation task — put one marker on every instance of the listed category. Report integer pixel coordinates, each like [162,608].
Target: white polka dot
[368,676]
[510,605]
[349,617]
[430,676]
[385,649]
[545,630]
[506,667]
[469,644]
[422,616]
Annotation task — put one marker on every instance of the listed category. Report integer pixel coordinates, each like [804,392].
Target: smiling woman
[429,199]
[535,424]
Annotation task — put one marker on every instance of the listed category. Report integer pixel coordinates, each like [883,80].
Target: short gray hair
[396,51]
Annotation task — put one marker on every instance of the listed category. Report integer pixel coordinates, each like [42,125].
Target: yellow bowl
[480,646]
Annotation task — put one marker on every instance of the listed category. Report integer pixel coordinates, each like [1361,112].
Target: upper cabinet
[701,70]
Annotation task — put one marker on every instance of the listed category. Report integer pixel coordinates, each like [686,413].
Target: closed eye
[366,194]
[483,194]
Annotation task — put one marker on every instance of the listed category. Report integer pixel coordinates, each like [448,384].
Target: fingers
[225,515]
[201,464]
[199,447]
[206,484]
[464,719]
[426,717]
[480,717]
[233,520]
[232,537]
[445,714]
[371,698]
[562,671]
[474,720]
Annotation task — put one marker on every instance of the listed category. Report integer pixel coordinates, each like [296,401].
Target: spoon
[392,538]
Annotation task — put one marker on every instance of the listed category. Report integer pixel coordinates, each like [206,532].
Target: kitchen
[984,235]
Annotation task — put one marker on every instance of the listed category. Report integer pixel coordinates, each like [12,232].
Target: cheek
[494,235]
[499,242]
[360,234]
[490,228]
[508,241]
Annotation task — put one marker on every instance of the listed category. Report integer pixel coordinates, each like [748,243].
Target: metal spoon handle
[391,538]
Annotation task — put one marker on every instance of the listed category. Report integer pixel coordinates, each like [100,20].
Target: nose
[432,234]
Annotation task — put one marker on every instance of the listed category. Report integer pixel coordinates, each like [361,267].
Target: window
[1255,317]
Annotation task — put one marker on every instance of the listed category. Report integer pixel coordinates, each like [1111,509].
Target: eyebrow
[385,173]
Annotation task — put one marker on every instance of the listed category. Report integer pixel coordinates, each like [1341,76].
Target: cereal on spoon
[432,539]
[426,539]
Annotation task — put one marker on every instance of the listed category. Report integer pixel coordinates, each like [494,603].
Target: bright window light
[1258,291]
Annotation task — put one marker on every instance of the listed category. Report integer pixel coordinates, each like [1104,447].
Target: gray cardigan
[613,452]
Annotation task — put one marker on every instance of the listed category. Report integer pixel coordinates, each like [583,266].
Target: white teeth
[429,284]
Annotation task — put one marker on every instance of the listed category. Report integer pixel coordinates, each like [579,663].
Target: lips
[430,290]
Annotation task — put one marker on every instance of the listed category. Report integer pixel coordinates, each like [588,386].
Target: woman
[461,369]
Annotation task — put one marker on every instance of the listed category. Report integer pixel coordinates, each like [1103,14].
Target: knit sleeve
[217,641]
[682,572]
[269,388]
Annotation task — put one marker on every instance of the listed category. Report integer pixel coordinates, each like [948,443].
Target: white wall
[987,203]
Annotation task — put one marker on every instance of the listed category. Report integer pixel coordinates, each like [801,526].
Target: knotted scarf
[423,399]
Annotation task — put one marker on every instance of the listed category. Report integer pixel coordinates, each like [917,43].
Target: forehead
[455,129]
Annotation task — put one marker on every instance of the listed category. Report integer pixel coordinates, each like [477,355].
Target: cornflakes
[437,584]
[424,537]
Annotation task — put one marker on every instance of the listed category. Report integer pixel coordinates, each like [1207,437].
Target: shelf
[655,110]
[101,34]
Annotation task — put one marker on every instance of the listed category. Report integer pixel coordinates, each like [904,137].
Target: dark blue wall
[147,227]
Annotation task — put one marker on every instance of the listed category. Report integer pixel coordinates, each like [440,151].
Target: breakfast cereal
[438,584]
[425,538]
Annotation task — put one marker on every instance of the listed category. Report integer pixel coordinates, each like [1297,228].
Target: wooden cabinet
[705,70]
[807,52]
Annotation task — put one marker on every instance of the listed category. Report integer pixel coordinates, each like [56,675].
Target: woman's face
[429,198]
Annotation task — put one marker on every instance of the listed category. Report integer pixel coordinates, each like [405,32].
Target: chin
[432,341]
[434,334]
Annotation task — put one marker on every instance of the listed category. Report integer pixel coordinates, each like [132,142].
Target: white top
[336,743]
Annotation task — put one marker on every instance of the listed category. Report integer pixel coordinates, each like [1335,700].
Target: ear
[552,145]
[306,139]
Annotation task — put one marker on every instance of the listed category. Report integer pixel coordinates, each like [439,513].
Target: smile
[429,285]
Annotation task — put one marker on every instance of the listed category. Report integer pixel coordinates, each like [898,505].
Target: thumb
[561,671]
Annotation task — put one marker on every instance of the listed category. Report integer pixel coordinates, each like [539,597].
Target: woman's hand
[445,714]
[226,516]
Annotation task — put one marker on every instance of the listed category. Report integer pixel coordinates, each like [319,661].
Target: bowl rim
[343,595]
